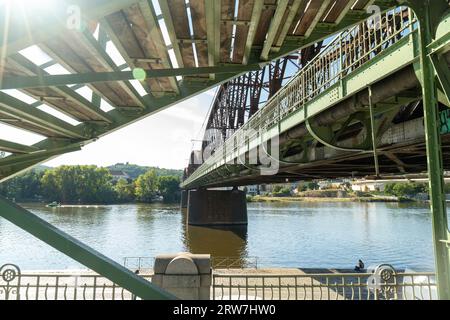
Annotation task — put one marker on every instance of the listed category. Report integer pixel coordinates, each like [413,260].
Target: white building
[118,174]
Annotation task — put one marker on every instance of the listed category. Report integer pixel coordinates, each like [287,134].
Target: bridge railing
[348,286]
[345,54]
[15,285]
[388,284]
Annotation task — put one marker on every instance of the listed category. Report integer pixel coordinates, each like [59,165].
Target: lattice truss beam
[238,100]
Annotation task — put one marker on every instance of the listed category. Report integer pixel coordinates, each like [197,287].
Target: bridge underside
[335,140]
[403,158]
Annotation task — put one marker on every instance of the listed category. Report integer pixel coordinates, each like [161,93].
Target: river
[308,235]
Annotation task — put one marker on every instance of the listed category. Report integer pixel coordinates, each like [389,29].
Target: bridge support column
[427,13]
[217,207]
[184,199]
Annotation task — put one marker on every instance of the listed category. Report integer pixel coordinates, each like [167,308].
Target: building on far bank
[369,186]
[380,185]
[118,174]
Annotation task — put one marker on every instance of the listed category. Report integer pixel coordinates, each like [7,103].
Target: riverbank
[326,199]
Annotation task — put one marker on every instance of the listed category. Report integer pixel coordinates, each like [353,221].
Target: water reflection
[218,241]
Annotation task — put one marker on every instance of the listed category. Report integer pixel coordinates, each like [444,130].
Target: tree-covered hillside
[134,171]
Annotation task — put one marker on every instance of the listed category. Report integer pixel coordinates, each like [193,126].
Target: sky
[163,140]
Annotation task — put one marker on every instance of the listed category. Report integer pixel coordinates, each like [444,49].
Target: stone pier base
[187,276]
[217,207]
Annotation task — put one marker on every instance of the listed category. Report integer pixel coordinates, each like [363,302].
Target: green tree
[169,188]
[277,189]
[405,189]
[124,191]
[146,186]
[312,185]
[78,184]
[23,187]
[302,187]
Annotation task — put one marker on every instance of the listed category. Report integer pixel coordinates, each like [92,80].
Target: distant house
[118,174]
[369,186]
[253,190]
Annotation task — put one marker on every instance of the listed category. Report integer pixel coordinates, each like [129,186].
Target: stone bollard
[185,275]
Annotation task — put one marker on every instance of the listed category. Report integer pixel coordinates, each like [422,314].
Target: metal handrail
[329,286]
[77,286]
[138,263]
[346,53]
[379,285]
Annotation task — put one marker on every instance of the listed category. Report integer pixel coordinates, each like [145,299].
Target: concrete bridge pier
[184,199]
[217,207]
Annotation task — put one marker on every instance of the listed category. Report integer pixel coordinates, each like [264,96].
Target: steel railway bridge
[367,97]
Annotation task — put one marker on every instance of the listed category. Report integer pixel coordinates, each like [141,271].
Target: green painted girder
[252,29]
[106,28]
[213,24]
[346,10]
[317,17]
[153,25]
[17,169]
[164,6]
[16,147]
[443,74]
[275,25]
[17,159]
[122,119]
[15,164]
[45,80]
[18,109]
[321,31]
[285,26]
[80,252]
[88,106]
[99,50]
[56,146]
[429,14]
[47,21]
